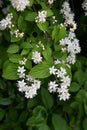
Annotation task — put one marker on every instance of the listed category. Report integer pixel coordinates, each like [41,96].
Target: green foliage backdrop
[44,111]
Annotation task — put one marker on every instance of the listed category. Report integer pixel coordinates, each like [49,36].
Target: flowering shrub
[38,48]
[42,46]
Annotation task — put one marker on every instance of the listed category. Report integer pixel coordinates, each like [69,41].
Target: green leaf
[41,70]
[46,98]
[15,39]
[30,16]
[43,26]
[15,58]
[32,102]
[13,48]
[28,64]
[25,52]
[58,33]
[10,71]
[23,116]
[22,23]
[40,111]
[49,12]
[44,127]
[35,121]
[79,77]
[5,101]
[26,45]
[59,123]
[47,53]
[74,87]
[2,113]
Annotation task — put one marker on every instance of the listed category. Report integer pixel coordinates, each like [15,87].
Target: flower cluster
[60,84]
[27,83]
[71,45]
[68,16]
[41,18]
[6,23]
[84,6]
[20,5]
[18,34]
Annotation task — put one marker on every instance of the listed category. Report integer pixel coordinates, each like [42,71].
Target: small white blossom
[53,70]
[18,34]
[64,96]
[21,85]
[36,57]
[29,78]
[23,62]
[50,1]
[71,59]
[21,69]
[66,81]
[41,16]
[52,86]
[31,92]
[4,23]
[20,5]
[61,72]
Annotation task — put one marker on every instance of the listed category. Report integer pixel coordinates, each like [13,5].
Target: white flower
[57,62]
[29,78]
[31,91]
[20,5]
[41,16]
[21,69]
[36,57]
[53,70]
[21,85]
[50,1]
[66,81]
[61,72]
[52,86]
[4,23]
[37,84]
[23,61]
[64,96]
[71,59]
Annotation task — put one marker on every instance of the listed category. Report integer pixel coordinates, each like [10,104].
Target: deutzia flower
[20,5]
[21,85]
[64,96]
[36,57]
[41,16]
[61,72]
[21,71]
[52,86]
[50,1]
[53,70]
[66,80]
[4,23]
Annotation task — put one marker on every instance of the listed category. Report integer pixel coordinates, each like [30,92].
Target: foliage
[33,52]
[45,111]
